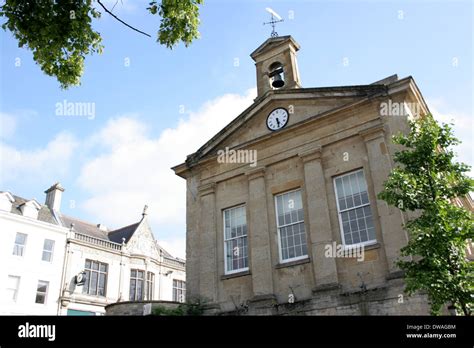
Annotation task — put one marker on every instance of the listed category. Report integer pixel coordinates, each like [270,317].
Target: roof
[124,232]
[274,41]
[44,213]
[80,226]
[84,227]
[357,91]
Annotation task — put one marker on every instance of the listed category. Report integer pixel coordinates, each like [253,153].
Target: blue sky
[166,103]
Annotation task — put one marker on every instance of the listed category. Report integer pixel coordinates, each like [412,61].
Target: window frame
[239,270]
[280,252]
[45,293]
[23,246]
[17,289]
[179,290]
[51,252]
[339,212]
[89,278]
[150,285]
[136,279]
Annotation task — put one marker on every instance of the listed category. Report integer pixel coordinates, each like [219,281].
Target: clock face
[277,119]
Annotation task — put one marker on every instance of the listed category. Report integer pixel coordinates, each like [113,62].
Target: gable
[142,241]
[302,104]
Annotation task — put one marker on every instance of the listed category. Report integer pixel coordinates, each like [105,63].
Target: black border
[240,330]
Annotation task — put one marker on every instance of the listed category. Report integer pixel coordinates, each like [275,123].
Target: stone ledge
[293,263]
[395,275]
[235,275]
[372,246]
[326,287]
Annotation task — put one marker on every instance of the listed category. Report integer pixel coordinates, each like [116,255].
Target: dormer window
[6,200]
[277,76]
[30,209]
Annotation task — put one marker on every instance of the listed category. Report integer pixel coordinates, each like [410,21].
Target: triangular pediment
[273,42]
[142,241]
[302,104]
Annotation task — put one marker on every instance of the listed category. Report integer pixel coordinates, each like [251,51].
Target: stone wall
[384,300]
[137,307]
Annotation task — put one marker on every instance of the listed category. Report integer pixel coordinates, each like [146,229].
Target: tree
[426,183]
[60,33]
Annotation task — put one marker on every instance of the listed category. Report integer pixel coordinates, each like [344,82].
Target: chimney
[53,196]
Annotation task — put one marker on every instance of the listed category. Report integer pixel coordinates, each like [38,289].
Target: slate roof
[84,227]
[124,232]
[44,214]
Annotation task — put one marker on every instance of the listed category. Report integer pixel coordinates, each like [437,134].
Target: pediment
[142,242]
[302,104]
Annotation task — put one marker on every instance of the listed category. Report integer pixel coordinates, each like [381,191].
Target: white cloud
[135,168]
[175,246]
[7,125]
[463,128]
[37,164]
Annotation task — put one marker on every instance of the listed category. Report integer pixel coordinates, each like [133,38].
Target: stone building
[262,235]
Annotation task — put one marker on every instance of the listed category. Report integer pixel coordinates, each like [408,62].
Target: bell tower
[276,65]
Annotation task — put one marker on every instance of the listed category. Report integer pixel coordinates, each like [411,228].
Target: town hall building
[264,237]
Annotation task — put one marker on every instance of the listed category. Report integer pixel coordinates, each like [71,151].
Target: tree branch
[121,21]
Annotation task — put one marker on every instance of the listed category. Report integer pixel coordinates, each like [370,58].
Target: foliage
[60,33]
[180,20]
[192,308]
[426,183]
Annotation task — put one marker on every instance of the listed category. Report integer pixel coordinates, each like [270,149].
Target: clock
[81,278]
[277,119]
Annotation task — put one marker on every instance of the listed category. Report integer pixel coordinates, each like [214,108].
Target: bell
[277,81]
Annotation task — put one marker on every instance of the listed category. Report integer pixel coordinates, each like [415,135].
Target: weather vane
[274,19]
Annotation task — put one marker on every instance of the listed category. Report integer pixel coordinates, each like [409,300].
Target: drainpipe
[65,264]
[120,287]
[159,280]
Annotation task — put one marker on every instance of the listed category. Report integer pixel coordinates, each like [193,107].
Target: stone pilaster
[259,237]
[394,237]
[325,269]
[208,243]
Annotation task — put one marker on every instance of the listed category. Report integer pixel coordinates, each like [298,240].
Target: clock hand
[278,121]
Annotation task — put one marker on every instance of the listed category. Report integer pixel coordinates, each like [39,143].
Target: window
[290,224]
[20,242]
[12,287]
[355,215]
[41,291]
[179,290]
[235,240]
[150,285]
[48,247]
[96,278]
[136,285]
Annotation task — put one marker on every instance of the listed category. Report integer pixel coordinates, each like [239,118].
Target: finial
[145,208]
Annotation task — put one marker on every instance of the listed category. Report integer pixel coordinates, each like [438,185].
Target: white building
[96,266]
[31,254]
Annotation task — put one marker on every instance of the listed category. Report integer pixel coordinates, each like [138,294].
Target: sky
[151,106]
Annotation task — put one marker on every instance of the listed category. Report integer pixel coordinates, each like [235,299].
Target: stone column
[394,237]
[320,232]
[259,237]
[208,243]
